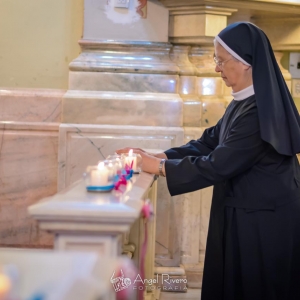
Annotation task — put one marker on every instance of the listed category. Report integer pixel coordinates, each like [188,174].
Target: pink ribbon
[128,167]
[139,9]
[122,181]
[146,214]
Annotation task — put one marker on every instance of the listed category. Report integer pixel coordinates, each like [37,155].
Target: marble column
[123,83]
[192,111]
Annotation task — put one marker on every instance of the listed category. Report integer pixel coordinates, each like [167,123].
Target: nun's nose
[217,69]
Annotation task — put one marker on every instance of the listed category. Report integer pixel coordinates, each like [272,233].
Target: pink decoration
[141,9]
[122,181]
[123,280]
[146,213]
[129,167]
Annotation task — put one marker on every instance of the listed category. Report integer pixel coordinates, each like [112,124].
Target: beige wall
[104,22]
[38,40]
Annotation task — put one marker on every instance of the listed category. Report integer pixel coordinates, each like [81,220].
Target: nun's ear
[246,67]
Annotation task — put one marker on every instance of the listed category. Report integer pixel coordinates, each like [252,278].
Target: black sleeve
[240,151]
[203,146]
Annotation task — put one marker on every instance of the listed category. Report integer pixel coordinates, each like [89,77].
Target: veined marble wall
[28,161]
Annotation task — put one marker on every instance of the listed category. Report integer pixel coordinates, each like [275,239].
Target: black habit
[253,244]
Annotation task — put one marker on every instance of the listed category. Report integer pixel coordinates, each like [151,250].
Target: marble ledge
[75,206]
[125,57]
[28,126]
[121,108]
[123,82]
[30,105]
[180,56]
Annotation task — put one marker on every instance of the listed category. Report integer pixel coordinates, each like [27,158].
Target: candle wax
[5,286]
[129,160]
[99,177]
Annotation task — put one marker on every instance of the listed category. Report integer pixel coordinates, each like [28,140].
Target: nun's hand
[150,164]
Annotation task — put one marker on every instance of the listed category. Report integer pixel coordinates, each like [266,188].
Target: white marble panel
[124,57]
[119,108]
[206,196]
[191,212]
[192,111]
[192,107]
[83,145]
[30,105]
[187,85]
[28,168]
[190,228]
[192,133]
[202,198]
[210,86]
[163,220]
[123,82]
[169,227]
[213,109]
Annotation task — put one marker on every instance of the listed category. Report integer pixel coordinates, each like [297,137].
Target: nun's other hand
[127,149]
[150,164]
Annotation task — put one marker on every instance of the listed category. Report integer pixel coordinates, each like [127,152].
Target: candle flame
[101,166]
[130,152]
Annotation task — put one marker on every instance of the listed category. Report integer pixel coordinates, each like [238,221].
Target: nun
[249,156]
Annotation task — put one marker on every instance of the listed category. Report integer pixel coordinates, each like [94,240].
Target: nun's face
[234,73]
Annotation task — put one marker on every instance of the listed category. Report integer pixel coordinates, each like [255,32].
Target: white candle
[111,170]
[5,286]
[131,159]
[99,177]
[117,165]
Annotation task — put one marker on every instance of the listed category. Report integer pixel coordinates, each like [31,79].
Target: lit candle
[131,159]
[99,177]
[117,165]
[5,286]
[111,170]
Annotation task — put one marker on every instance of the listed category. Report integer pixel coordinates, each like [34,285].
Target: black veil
[278,116]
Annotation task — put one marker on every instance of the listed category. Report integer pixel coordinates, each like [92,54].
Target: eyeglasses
[220,64]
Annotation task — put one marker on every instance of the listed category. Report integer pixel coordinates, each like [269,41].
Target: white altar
[101,222]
